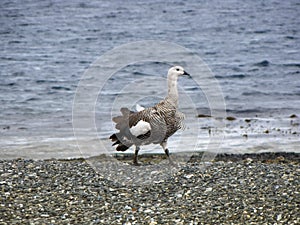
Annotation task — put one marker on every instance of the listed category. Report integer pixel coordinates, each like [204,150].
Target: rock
[230,118]
[203,116]
[278,218]
[208,190]
[153,222]
[148,211]
[248,160]
[188,176]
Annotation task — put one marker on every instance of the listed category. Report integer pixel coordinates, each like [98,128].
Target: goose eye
[177,69]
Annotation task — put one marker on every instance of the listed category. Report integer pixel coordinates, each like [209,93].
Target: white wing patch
[142,127]
[139,108]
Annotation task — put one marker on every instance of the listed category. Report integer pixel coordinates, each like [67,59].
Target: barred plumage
[151,125]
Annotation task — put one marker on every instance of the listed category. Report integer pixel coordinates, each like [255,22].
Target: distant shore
[233,189]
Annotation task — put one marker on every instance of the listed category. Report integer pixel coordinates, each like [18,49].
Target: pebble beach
[232,189]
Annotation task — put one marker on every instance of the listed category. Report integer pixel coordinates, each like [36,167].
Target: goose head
[177,71]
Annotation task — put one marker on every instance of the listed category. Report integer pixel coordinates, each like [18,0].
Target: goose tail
[122,142]
[120,139]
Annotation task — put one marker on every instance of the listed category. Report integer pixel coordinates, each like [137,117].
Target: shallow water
[251,47]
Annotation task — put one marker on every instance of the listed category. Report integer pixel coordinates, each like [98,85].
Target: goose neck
[172,89]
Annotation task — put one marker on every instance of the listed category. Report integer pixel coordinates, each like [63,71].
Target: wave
[263,63]
[260,93]
[60,88]
[233,76]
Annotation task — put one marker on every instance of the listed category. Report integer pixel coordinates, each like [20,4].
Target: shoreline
[232,189]
[152,158]
[285,156]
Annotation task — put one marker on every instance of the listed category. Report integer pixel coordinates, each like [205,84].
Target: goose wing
[148,124]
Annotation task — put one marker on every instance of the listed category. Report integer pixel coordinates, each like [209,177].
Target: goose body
[152,125]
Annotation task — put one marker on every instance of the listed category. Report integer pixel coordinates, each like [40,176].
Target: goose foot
[171,162]
[135,163]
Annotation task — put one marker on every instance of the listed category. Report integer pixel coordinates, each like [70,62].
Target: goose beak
[187,74]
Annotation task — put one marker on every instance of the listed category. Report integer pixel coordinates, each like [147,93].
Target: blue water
[252,48]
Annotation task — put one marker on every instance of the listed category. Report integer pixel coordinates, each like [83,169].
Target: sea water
[251,47]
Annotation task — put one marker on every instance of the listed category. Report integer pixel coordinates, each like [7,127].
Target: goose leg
[135,162]
[167,152]
[164,146]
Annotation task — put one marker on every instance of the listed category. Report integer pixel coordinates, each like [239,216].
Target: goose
[153,125]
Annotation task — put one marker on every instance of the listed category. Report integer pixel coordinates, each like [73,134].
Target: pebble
[261,189]
[153,222]
[208,190]
[188,176]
